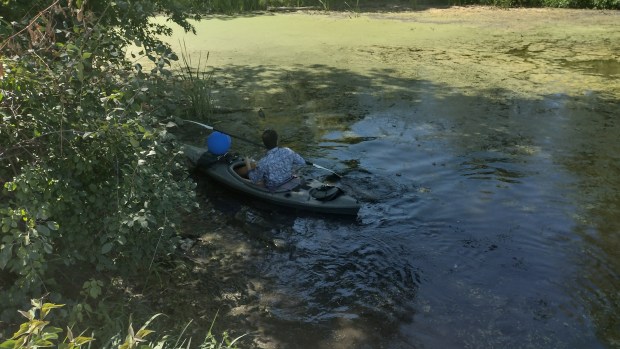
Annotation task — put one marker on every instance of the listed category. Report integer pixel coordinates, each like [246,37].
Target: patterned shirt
[276,167]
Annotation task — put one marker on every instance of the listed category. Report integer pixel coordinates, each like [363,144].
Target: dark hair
[270,138]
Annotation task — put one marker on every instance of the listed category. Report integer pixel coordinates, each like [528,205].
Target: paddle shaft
[322,168]
[226,133]
[254,143]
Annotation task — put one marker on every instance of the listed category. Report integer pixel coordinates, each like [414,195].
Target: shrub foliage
[90,177]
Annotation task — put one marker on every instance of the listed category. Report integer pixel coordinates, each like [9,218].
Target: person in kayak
[276,167]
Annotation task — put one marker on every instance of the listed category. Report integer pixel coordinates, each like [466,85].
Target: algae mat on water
[527,51]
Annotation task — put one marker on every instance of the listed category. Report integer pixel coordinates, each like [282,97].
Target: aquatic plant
[197,83]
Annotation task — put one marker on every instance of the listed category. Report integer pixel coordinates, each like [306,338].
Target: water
[470,235]
[490,190]
[464,241]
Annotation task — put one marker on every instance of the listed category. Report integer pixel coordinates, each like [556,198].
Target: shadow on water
[489,220]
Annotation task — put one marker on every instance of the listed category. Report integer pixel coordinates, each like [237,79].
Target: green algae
[527,51]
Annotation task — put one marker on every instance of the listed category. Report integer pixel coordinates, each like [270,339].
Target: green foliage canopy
[90,177]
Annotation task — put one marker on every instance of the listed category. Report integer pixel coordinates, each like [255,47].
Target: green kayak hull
[305,194]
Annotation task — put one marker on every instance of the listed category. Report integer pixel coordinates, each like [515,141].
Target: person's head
[270,138]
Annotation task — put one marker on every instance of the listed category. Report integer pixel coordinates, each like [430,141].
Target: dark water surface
[484,224]
[491,212]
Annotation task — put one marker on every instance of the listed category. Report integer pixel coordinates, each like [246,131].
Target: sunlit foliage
[90,177]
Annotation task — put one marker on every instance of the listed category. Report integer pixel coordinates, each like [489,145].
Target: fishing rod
[255,144]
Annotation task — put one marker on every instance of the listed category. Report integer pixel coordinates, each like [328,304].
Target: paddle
[256,144]
[323,168]
[226,133]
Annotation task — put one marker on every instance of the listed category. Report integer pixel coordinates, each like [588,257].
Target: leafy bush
[37,332]
[90,177]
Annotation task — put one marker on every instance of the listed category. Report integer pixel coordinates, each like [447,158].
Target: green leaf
[10,344]
[80,71]
[53,330]
[107,247]
[49,336]
[49,306]
[143,333]
[86,55]
[94,292]
[5,255]
[36,304]
[52,225]
[23,328]
[71,47]
[43,343]
[43,229]
[83,340]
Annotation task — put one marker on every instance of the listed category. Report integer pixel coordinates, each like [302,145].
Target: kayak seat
[293,184]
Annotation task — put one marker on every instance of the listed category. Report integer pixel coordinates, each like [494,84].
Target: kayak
[299,193]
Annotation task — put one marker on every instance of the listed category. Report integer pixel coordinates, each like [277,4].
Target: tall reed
[197,83]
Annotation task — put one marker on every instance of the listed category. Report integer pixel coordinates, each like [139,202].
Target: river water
[484,145]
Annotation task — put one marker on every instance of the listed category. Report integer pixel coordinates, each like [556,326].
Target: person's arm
[255,171]
[298,159]
[250,164]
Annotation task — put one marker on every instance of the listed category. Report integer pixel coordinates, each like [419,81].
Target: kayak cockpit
[293,184]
